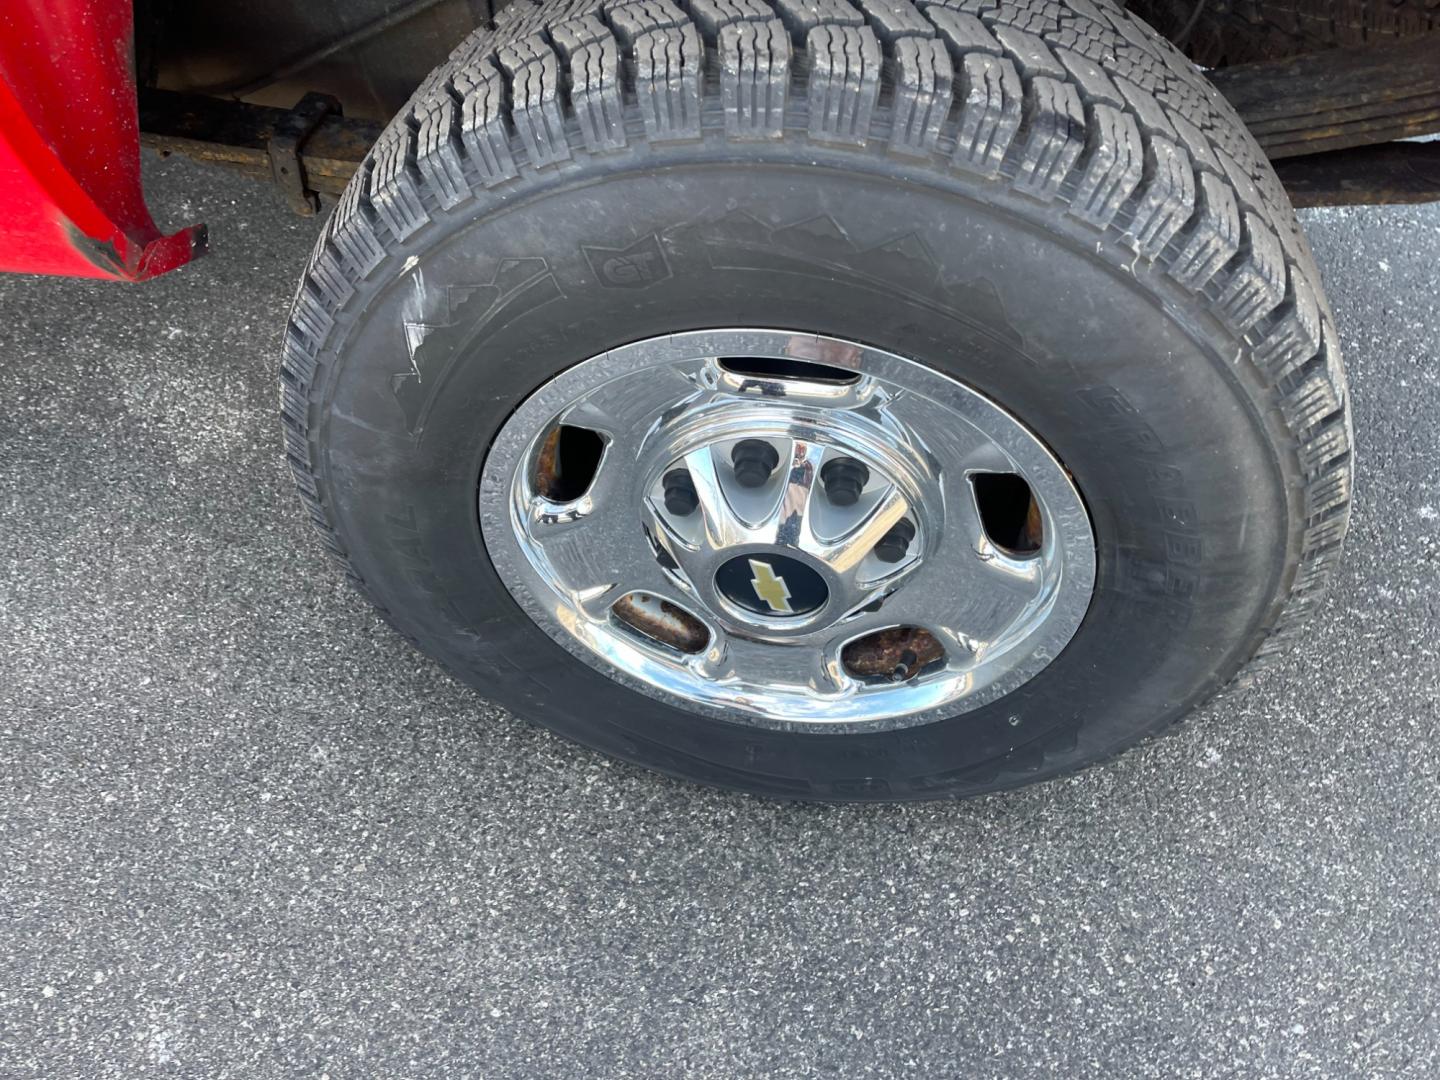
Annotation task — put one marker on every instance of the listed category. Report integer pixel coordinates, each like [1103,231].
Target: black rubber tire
[1042,199]
[1218,33]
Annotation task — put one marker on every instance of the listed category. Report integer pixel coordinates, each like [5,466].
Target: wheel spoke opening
[661,621]
[567,462]
[774,367]
[893,655]
[1009,512]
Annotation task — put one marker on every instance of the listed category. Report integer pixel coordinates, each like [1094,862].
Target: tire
[1218,34]
[1042,200]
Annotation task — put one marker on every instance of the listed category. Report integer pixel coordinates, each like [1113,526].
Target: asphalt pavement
[247,831]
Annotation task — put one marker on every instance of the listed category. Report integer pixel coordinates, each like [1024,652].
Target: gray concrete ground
[246,831]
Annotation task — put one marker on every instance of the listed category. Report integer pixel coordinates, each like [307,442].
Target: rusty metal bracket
[286,142]
[237,135]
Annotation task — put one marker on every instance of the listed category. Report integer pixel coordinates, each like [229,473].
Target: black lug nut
[844,478]
[896,542]
[754,461]
[680,497]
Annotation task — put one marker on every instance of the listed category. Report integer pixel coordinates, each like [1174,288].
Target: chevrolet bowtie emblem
[770,586]
[774,586]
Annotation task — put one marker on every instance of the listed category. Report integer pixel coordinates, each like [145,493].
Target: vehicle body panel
[70,147]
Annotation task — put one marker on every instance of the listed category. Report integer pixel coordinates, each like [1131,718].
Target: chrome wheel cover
[592,570]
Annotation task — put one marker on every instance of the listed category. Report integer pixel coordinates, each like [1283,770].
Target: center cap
[773,585]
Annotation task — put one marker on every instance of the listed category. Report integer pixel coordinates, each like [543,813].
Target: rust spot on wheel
[897,654]
[661,621]
[546,462]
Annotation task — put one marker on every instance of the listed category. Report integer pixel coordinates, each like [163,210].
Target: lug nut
[896,542]
[754,461]
[844,478]
[680,497]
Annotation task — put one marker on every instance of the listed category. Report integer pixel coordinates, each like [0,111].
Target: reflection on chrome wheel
[787,530]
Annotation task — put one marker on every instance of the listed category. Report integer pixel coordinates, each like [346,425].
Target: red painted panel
[70,194]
